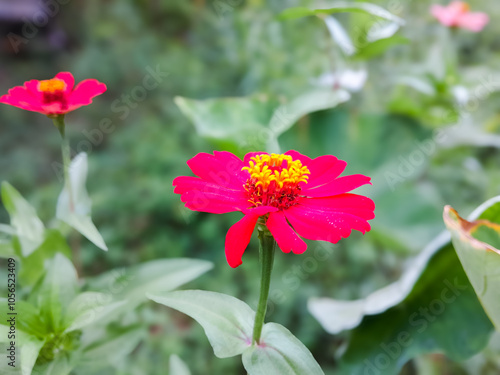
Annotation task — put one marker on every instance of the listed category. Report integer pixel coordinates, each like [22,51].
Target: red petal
[284,235]
[22,98]
[340,185]
[315,224]
[222,168]
[84,92]
[237,239]
[68,79]
[353,204]
[199,195]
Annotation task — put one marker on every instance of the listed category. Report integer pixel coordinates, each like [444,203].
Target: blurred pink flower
[458,14]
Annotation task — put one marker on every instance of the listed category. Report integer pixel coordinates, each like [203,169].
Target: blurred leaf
[56,291]
[24,220]
[177,366]
[418,314]
[33,266]
[340,35]
[227,321]
[27,318]
[78,217]
[61,365]
[27,349]
[89,308]
[157,276]
[254,122]
[320,7]
[114,348]
[373,49]
[476,244]
[6,249]
[280,353]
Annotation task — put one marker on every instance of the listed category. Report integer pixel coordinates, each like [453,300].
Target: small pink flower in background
[291,193]
[458,14]
[54,97]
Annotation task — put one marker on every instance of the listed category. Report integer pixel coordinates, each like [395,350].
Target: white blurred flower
[348,79]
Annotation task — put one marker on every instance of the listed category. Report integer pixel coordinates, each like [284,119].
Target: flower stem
[65,150]
[266,251]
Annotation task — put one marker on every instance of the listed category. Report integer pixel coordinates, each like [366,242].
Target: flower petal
[199,195]
[84,92]
[316,224]
[324,169]
[474,22]
[353,204]
[284,235]
[21,97]
[238,238]
[340,185]
[68,79]
[222,168]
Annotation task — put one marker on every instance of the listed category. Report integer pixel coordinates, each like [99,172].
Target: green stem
[65,150]
[266,250]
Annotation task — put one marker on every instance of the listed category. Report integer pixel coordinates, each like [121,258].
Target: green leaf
[78,216]
[317,8]
[418,314]
[27,349]
[24,220]
[153,277]
[477,244]
[177,366]
[227,321]
[61,365]
[280,353]
[27,318]
[288,114]
[374,49]
[113,349]
[57,290]
[254,122]
[240,121]
[89,308]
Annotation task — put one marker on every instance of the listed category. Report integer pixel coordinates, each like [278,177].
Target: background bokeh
[206,49]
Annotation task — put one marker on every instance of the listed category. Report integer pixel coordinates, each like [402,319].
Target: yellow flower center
[464,7]
[51,86]
[282,169]
[274,180]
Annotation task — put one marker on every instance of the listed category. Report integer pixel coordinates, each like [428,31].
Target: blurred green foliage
[200,50]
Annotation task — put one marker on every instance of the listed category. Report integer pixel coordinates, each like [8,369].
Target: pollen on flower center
[274,180]
[51,86]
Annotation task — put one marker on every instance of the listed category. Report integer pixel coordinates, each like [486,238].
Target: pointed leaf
[177,366]
[227,321]
[24,220]
[477,244]
[57,290]
[153,277]
[318,7]
[88,308]
[279,353]
[418,314]
[78,215]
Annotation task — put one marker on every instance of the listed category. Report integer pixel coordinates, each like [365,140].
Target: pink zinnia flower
[291,193]
[55,96]
[458,14]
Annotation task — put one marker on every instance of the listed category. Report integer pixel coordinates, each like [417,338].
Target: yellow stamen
[262,169]
[51,85]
